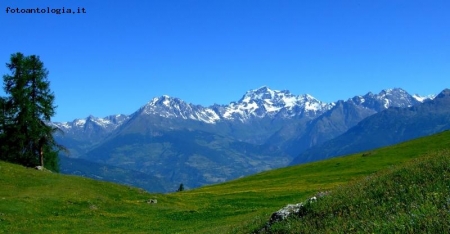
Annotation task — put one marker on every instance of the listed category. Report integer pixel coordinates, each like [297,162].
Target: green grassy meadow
[34,201]
[410,198]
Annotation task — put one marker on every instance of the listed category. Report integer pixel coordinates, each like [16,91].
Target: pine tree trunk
[41,157]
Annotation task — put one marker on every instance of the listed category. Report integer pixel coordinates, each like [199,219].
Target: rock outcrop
[292,210]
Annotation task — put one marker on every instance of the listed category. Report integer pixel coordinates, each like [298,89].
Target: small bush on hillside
[181,188]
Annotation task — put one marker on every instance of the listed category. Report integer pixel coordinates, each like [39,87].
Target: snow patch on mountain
[80,122]
[423,98]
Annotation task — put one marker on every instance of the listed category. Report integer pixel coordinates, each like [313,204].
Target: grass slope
[410,198]
[37,201]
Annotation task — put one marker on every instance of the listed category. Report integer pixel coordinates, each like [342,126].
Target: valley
[32,200]
[170,142]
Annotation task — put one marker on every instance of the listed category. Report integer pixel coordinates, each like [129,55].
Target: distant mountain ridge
[339,118]
[388,127]
[259,103]
[181,142]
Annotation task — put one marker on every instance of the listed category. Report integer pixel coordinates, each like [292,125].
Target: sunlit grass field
[410,198]
[34,201]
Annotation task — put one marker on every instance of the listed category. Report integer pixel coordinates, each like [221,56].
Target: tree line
[26,132]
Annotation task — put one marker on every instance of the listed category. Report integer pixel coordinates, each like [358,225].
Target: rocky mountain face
[265,102]
[339,118]
[81,134]
[387,127]
[180,142]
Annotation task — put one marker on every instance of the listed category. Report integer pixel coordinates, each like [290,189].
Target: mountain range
[388,127]
[177,142]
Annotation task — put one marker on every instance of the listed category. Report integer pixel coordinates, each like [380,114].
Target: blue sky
[121,54]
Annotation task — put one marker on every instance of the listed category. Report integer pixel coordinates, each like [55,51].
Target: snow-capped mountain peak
[111,122]
[256,103]
[163,100]
[267,94]
[395,97]
[262,93]
[264,101]
[169,107]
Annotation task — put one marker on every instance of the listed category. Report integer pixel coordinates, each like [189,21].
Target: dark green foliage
[26,137]
[2,117]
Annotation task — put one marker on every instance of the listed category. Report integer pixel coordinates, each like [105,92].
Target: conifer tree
[26,132]
[2,124]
